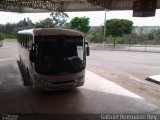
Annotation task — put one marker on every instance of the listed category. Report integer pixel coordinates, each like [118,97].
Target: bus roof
[30,31]
[51,31]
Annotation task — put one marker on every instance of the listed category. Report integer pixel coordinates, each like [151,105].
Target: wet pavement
[97,96]
[129,70]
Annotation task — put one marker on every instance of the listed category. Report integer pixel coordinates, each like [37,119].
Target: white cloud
[96,18]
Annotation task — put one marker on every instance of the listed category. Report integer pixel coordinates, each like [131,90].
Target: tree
[29,22]
[151,35]
[118,27]
[80,23]
[157,34]
[10,29]
[1,36]
[25,22]
[48,22]
[95,34]
[1,39]
[67,25]
[60,18]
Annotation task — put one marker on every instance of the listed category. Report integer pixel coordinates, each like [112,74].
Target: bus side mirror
[32,55]
[87,49]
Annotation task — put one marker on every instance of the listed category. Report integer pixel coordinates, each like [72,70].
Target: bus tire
[27,78]
[35,88]
[20,60]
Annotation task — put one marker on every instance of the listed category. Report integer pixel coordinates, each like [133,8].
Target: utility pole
[104,33]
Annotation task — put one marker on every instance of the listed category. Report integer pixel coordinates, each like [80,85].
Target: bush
[1,36]
[10,36]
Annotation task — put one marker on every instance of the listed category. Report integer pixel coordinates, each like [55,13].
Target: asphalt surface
[97,96]
[126,47]
[128,69]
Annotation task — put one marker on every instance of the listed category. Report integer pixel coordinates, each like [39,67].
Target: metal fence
[125,47]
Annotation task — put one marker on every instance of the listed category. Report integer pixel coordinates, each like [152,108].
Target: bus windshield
[59,54]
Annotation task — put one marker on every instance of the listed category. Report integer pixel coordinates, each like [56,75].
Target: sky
[96,18]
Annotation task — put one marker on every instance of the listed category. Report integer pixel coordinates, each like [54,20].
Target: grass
[10,40]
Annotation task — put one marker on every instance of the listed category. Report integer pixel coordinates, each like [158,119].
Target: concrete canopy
[31,6]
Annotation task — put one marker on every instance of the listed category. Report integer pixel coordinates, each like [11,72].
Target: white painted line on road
[4,47]
[97,83]
[7,59]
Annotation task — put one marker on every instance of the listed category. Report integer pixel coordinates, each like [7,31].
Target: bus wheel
[27,78]
[35,88]
[20,59]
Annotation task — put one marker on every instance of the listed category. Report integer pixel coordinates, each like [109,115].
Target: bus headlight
[81,77]
[45,82]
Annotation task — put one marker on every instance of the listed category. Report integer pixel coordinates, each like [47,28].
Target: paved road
[98,95]
[128,69]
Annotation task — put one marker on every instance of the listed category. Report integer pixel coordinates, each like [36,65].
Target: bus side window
[23,40]
[26,39]
[19,39]
[30,42]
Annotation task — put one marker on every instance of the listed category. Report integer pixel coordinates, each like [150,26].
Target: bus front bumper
[44,84]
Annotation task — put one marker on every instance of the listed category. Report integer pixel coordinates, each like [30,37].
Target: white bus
[52,59]
[1,43]
[1,39]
